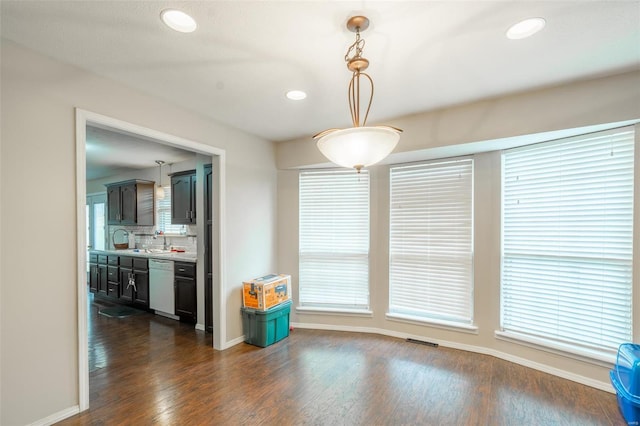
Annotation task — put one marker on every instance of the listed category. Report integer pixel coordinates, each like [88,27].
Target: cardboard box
[266,292]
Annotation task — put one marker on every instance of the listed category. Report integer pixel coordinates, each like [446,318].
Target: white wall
[452,132]
[38,295]
[461,129]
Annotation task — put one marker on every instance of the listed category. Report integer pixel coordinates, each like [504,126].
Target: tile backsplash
[145,237]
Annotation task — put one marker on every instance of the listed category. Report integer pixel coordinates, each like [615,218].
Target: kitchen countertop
[180,257]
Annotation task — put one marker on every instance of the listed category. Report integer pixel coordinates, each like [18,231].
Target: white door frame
[83,118]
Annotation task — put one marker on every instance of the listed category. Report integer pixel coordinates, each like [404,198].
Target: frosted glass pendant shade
[159,192]
[358,147]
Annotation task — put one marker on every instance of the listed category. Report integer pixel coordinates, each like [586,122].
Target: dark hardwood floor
[148,370]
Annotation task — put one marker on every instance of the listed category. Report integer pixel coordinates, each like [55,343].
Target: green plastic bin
[264,328]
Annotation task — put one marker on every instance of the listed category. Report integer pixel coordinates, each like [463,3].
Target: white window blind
[567,242]
[163,214]
[431,241]
[334,239]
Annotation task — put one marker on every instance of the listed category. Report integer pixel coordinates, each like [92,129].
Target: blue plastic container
[625,378]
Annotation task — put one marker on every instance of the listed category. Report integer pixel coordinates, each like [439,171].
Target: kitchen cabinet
[185,291]
[93,273]
[134,280]
[208,253]
[130,203]
[113,281]
[183,198]
[113,276]
[98,282]
[141,278]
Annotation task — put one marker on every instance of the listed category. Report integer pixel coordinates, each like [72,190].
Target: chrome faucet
[165,246]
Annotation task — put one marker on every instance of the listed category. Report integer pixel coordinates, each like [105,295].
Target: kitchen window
[567,244]
[431,243]
[163,215]
[334,240]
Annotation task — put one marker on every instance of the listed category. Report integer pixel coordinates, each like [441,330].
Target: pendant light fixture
[361,145]
[159,188]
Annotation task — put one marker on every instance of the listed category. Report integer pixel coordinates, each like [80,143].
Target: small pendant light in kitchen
[159,188]
[361,145]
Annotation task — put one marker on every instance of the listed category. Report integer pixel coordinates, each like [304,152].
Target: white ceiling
[245,55]
[111,152]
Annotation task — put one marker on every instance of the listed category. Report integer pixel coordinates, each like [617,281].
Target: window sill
[445,325]
[565,350]
[334,311]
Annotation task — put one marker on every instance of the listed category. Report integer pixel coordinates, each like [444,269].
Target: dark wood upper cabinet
[183,198]
[113,204]
[130,203]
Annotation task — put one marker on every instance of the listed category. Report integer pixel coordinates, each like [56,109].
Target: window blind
[567,241]
[163,214]
[334,239]
[431,240]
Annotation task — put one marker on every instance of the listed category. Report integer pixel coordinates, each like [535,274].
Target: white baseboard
[233,342]
[605,386]
[200,327]
[56,417]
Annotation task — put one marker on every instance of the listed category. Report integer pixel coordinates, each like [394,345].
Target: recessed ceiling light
[178,20]
[526,28]
[296,95]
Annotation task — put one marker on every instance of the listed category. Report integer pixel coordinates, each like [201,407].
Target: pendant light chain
[357,45]
[357,63]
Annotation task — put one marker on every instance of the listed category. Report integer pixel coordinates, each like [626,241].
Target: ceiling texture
[245,55]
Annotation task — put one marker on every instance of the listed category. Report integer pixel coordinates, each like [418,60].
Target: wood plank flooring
[148,370]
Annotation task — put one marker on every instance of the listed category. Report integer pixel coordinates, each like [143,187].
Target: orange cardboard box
[266,292]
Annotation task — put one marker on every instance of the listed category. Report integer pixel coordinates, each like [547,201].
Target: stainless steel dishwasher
[161,291]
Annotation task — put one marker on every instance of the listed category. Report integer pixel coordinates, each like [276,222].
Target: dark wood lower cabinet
[94,277]
[113,281]
[185,291]
[102,279]
[127,289]
[125,278]
[134,280]
[141,278]
[208,303]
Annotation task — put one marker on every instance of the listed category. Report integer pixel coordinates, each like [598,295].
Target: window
[163,215]
[334,240]
[567,243]
[431,241]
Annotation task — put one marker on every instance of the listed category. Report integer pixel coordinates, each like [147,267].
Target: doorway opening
[88,224]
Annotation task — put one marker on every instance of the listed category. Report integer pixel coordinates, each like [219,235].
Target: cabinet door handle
[181,269]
